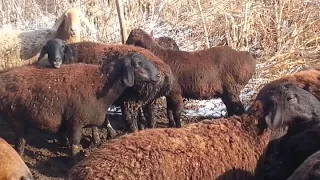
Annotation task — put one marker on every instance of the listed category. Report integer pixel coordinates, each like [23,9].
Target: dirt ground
[47,159]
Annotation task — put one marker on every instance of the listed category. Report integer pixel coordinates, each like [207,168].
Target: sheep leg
[95,136]
[174,108]
[130,115]
[233,103]
[21,131]
[111,132]
[148,113]
[141,123]
[74,134]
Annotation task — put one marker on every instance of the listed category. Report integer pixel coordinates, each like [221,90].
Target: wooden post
[123,27]
[204,24]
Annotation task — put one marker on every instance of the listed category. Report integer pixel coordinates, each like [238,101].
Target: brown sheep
[309,169]
[19,48]
[133,98]
[223,148]
[71,98]
[12,167]
[206,74]
[203,150]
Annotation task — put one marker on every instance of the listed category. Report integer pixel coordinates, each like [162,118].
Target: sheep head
[289,105]
[139,37]
[129,68]
[68,25]
[58,52]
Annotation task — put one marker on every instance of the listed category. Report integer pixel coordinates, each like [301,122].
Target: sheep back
[19,48]
[204,150]
[45,96]
[167,42]
[203,74]
[12,166]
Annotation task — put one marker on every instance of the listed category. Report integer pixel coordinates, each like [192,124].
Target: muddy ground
[47,159]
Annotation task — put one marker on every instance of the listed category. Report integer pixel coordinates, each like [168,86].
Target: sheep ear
[128,76]
[87,23]
[43,52]
[69,53]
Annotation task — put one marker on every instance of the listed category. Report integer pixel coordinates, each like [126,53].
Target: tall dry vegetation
[283,34]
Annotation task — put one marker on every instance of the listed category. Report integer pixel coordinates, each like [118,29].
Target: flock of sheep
[276,138]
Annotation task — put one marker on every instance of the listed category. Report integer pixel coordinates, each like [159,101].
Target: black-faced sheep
[12,167]
[205,150]
[72,97]
[19,48]
[308,79]
[299,111]
[132,99]
[210,73]
[309,169]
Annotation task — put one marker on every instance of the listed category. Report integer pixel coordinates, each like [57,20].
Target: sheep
[72,97]
[299,111]
[203,150]
[308,79]
[223,148]
[19,48]
[140,95]
[206,74]
[167,42]
[309,169]
[12,166]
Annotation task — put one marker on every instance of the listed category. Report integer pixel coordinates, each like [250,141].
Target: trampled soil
[48,159]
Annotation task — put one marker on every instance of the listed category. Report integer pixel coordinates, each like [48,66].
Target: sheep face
[72,18]
[57,51]
[144,68]
[290,104]
[135,67]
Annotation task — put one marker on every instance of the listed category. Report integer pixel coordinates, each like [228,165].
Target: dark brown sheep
[141,94]
[12,167]
[206,74]
[167,42]
[72,97]
[309,169]
[299,111]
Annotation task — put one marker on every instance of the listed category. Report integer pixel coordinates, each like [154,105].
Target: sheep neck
[112,92]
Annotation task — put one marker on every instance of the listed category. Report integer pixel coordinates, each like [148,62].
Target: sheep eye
[292,99]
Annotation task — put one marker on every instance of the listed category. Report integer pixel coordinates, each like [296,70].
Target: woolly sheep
[12,167]
[72,97]
[140,95]
[210,73]
[19,48]
[210,149]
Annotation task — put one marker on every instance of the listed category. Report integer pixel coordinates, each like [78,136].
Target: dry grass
[282,34]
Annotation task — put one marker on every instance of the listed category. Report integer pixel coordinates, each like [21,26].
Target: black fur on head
[288,105]
[58,52]
[130,68]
